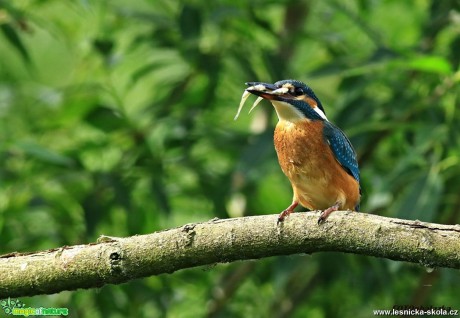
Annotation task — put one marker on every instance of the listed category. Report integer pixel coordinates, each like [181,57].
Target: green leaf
[14,39]
[105,118]
[430,64]
[104,46]
[190,22]
[421,199]
[44,154]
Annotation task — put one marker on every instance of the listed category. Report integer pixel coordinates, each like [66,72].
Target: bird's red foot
[283,215]
[325,214]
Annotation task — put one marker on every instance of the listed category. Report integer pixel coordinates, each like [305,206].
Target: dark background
[116,118]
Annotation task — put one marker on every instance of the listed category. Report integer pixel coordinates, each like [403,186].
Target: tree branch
[118,260]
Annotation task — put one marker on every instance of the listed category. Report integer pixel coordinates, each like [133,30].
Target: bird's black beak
[263,90]
[270,91]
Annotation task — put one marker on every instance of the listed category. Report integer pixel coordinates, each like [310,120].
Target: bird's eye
[298,91]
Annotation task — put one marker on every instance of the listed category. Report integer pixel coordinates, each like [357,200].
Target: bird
[315,155]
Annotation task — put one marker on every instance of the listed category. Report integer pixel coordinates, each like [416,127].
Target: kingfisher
[315,155]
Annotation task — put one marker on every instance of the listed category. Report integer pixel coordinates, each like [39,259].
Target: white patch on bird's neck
[287,112]
[320,112]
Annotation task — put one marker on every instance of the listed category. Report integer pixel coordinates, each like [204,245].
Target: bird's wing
[342,149]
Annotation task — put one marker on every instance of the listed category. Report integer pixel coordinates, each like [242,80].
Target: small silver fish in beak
[246,93]
[243,100]
[255,104]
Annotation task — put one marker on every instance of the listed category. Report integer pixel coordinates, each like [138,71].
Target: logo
[18,308]
[9,304]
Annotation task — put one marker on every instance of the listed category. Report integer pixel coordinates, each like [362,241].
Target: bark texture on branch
[118,260]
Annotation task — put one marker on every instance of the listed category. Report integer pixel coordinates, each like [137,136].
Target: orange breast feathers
[317,178]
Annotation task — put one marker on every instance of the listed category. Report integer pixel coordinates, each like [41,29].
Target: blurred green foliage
[116,118]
